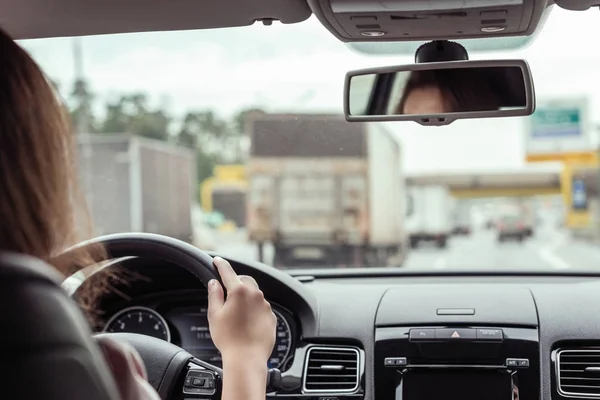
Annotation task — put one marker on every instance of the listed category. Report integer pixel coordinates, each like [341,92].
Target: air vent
[578,373]
[331,370]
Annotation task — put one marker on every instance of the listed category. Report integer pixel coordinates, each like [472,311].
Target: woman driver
[447,91]
[41,211]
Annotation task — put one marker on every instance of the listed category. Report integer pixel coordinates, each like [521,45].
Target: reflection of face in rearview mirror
[443,88]
[428,99]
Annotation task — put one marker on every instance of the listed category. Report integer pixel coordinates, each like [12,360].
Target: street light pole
[82,122]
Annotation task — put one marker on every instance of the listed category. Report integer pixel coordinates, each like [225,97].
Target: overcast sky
[301,68]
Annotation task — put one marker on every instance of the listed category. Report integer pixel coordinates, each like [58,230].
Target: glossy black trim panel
[520,343]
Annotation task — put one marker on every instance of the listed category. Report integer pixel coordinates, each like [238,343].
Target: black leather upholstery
[46,348]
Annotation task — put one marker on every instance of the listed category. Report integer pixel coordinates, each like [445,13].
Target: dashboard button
[490,334]
[512,362]
[421,334]
[523,363]
[395,362]
[455,334]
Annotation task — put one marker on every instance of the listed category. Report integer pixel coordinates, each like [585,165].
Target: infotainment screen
[457,384]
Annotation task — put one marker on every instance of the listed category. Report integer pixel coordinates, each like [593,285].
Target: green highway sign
[556,122]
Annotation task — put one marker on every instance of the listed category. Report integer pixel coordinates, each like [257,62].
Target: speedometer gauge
[191,323]
[283,342]
[140,320]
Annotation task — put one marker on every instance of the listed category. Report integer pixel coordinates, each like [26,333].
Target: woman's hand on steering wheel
[243,325]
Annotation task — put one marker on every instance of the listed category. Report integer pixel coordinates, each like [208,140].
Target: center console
[457,343]
[457,362]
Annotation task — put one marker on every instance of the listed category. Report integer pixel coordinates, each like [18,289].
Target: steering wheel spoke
[171,370]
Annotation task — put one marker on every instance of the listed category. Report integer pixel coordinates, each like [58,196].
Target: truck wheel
[414,243]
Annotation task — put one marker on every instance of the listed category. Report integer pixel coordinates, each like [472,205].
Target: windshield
[233,140]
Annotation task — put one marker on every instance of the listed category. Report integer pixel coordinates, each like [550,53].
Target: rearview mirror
[441,92]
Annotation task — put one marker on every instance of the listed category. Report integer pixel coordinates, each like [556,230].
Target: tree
[82,113]
[205,164]
[116,120]
[204,130]
[131,114]
[240,139]
[239,120]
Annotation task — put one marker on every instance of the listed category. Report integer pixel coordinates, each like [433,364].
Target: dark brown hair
[463,90]
[42,211]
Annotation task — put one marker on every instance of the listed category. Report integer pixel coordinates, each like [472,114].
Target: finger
[228,275]
[248,280]
[121,367]
[216,297]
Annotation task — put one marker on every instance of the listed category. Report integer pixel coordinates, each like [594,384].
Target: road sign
[556,122]
[558,129]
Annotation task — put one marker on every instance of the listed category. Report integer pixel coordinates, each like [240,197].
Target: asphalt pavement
[549,249]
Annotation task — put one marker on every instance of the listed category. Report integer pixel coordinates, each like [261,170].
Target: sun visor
[411,20]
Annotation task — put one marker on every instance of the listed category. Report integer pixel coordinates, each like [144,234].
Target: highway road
[549,249]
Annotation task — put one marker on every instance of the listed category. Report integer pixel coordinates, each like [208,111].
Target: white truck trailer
[326,192]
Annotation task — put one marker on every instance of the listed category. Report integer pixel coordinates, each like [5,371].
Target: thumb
[216,297]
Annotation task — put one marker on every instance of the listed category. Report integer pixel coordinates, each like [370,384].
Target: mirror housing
[491,89]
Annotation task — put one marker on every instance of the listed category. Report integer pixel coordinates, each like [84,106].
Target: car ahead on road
[511,227]
[461,230]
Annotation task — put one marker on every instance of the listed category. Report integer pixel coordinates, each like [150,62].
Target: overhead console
[409,20]
[453,342]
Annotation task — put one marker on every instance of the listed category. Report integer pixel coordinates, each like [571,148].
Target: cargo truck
[462,223]
[134,184]
[225,192]
[429,215]
[325,192]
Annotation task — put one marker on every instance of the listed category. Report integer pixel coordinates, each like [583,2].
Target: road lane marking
[440,263]
[558,241]
[555,261]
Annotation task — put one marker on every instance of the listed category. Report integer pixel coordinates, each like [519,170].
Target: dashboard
[392,334]
[181,318]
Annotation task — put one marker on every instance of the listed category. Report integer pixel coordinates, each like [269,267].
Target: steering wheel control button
[455,334]
[418,335]
[395,362]
[492,335]
[199,383]
[512,362]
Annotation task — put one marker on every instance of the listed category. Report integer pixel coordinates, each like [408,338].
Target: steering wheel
[172,371]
